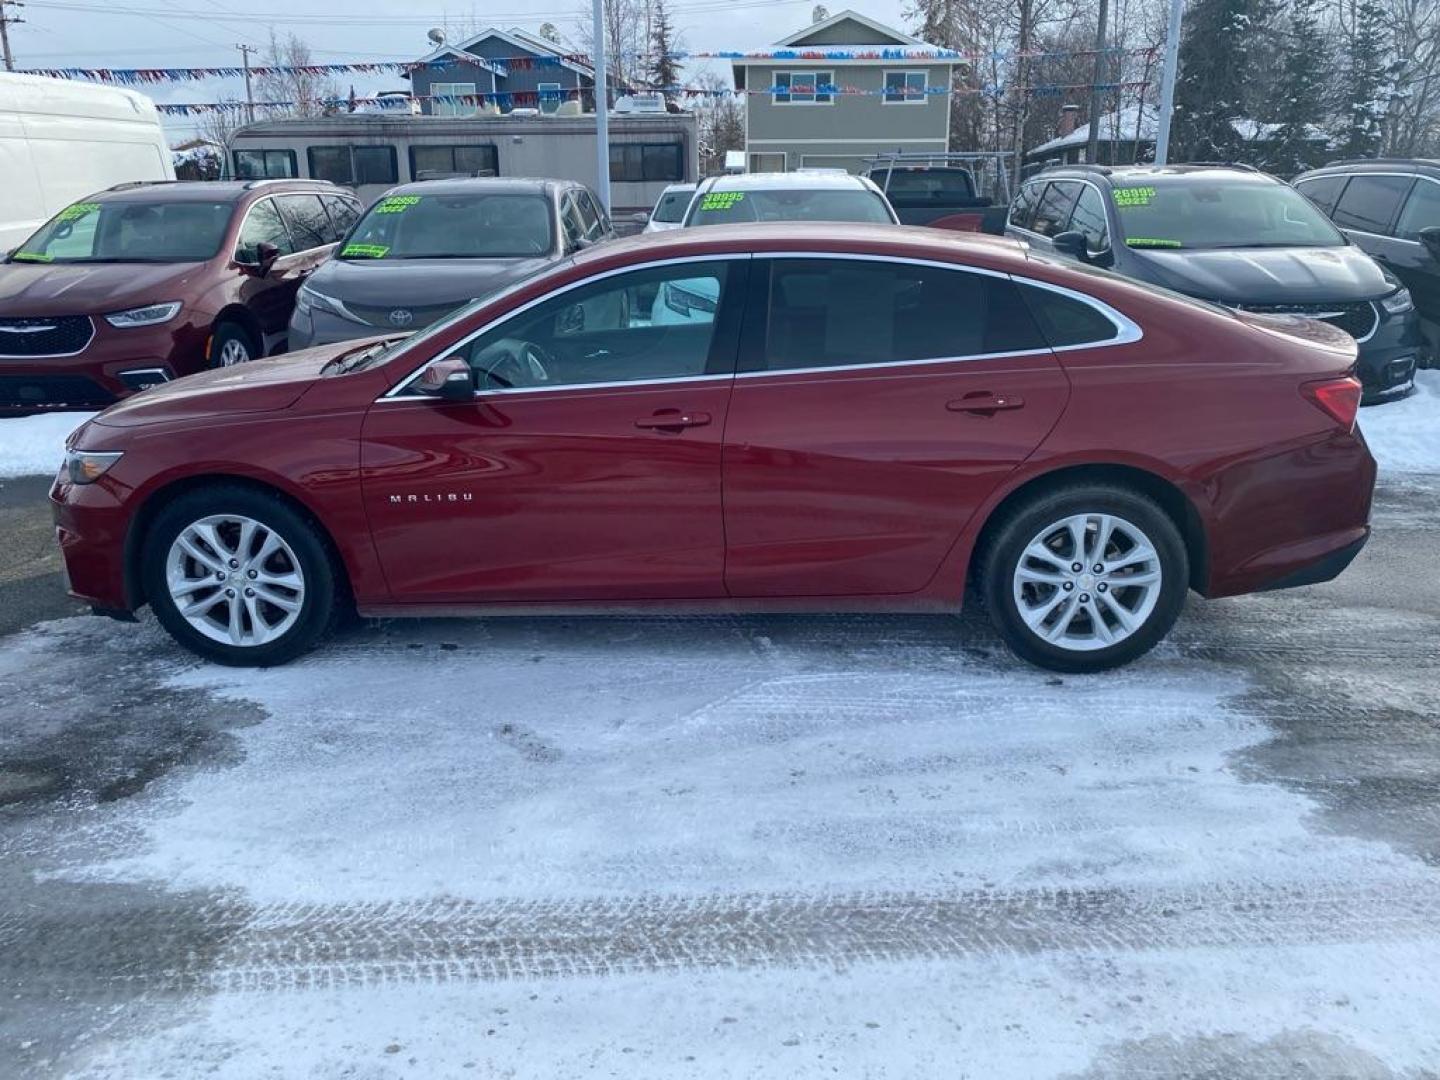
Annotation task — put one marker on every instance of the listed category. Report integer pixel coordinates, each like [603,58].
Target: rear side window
[308,222]
[1370,203]
[1024,205]
[1065,321]
[1052,215]
[343,213]
[1323,191]
[838,313]
[1422,210]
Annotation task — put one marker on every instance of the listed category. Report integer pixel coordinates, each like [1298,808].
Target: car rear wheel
[238,576]
[231,344]
[1084,578]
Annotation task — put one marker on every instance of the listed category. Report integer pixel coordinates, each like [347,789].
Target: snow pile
[34,445]
[1404,435]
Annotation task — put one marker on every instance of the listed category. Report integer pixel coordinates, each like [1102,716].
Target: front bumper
[317,327]
[1388,359]
[91,526]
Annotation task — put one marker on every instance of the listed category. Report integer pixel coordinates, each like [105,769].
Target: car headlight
[149,315]
[307,299]
[1398,302]
[87,466]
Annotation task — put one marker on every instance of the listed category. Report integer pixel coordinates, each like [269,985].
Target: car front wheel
[238,576]
[1085,578]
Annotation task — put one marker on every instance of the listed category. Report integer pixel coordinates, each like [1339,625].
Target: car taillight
[1339,398]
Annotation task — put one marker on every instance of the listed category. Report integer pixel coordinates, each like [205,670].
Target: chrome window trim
[51,356]
[1127,331]
[235,251]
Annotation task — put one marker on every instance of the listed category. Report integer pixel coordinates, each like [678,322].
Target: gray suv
[424,249]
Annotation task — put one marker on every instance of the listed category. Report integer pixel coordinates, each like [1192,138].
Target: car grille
[1357,319]
[63,335]
[52,391]
[420,315]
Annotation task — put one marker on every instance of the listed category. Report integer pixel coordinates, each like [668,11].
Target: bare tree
[628,28]
[291,91]
[721,121]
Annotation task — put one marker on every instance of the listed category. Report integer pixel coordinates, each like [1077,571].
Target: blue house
[520,69]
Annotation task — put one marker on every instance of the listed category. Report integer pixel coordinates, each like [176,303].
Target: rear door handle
[673,420]
[983,401]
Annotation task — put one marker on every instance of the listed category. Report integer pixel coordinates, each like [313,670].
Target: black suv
[1391,208]
[1230,235]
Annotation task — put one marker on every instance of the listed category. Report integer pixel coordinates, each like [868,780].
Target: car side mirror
[265,256]
[447,379]
[1430,237]
[640,217]
[1071,243]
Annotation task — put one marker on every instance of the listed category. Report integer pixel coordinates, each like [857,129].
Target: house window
[438,162]
[802,87]
[353,165]
[264,164]
[640,162]
[446,99]
[905,88]
[551,95]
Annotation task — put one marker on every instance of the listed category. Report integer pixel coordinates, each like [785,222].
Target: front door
[885,401]
[588,465]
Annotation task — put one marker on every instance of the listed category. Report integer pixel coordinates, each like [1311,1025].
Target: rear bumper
[1325,568]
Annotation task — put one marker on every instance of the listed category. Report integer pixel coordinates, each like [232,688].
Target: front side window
[828,313]
[1323,191]
[671,206]
[125,231]
[904,87]
[1088,219]
[309,224]
[263,225]
[652,324]
[1422,210]
[1200,211]
[1023,207]
[1052,213]
[803,88]
[440,162]
[265,164]
[790,204]
[468,225]
[452,99]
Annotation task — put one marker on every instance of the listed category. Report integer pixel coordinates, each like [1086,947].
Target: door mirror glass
[641,217]
[447,379]
[1430,237]
[1071,243]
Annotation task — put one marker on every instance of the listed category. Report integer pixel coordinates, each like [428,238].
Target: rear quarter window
[1065,321]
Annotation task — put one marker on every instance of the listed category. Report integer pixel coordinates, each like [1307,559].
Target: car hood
[28,289]
[419,282]
[1267,275]
[264,385]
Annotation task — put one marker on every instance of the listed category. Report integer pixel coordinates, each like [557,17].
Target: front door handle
[673,420]
[985,403]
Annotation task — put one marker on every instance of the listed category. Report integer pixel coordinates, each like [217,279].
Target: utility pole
[1092,143]
[245,51]
[1167,82]
[602,125]
[5,22]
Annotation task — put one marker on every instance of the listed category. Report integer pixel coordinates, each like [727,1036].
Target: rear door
[1415,262]
[878,404]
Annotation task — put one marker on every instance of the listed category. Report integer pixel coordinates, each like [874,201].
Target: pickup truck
[939,196]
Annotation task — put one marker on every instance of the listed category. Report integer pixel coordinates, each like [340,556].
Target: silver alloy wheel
[235,580]
[233,352]
[1087,582]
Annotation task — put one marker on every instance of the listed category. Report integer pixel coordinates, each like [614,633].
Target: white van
[62,140]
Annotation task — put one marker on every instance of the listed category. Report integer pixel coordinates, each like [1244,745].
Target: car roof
[1417,166]
[679,187]
[208,190]
[1132,173]
[493,185]
[781,181]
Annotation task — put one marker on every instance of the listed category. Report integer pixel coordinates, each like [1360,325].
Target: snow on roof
[1119,126]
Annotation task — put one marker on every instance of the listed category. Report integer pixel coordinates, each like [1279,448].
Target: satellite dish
[436,36]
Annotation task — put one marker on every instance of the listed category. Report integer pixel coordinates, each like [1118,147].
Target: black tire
[229,336]
[318,602]
[1000,557]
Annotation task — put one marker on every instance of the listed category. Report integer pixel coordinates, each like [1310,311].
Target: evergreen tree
[1367,77]
[1300,93]
[1216,54]
[664,69]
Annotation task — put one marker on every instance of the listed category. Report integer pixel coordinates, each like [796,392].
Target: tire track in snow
[306,946]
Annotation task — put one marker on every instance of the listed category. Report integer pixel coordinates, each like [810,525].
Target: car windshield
[130,231]
[1208,212]
[672,206]
[469,225]
[790,204]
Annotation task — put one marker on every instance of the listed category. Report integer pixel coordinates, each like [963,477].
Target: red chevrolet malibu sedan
[774,418]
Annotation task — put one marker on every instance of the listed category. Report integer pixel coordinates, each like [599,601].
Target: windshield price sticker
[32,256]
[1132,196]
[1151,241]
[79,210]
[721,200]
[364,251]
[397,204]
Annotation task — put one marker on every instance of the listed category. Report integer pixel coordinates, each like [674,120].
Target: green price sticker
[397,204]
[1151,242]
[1132,196]
[721,200]
[32,256]
[79,210]
[363,251]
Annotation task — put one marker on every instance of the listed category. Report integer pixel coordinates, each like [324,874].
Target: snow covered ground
[34,445]
[1404,435]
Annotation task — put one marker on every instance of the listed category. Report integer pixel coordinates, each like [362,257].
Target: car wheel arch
[243,317]
[166,493]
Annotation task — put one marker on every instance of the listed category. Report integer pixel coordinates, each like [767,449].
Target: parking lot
[670,847]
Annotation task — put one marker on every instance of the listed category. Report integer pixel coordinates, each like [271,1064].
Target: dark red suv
[143,283]
[771,417]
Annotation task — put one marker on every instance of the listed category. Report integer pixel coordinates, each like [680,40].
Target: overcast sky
[203,33]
